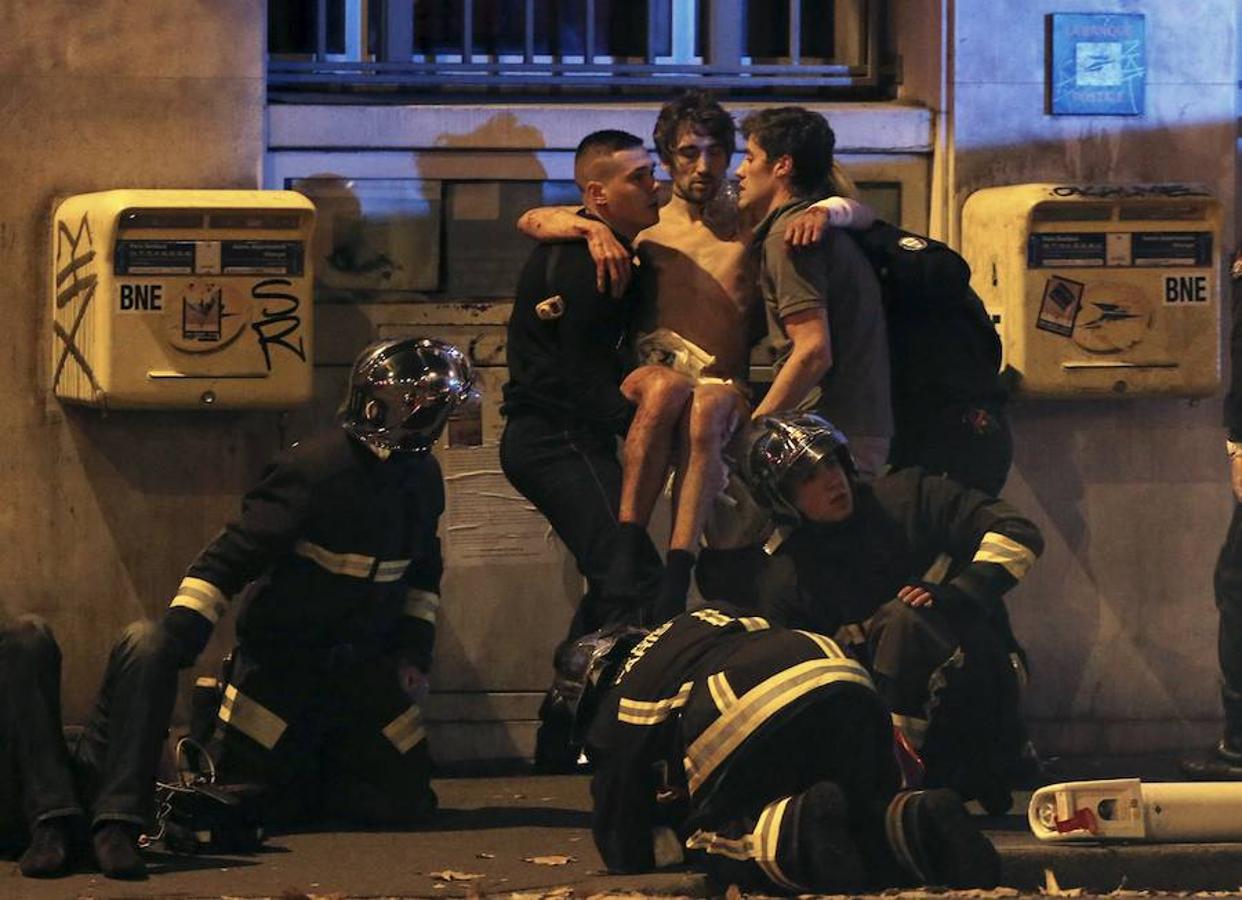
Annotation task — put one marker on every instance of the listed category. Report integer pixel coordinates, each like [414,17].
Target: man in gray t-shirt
[824,309]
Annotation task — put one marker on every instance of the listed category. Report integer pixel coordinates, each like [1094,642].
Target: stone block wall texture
[101,514]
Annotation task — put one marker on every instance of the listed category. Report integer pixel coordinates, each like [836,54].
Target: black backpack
[943,346]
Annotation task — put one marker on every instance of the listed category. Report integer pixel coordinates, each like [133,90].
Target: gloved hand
[188,633]
[946,597]
[413,680]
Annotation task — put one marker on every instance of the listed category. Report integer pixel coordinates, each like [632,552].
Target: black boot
[671,600]
[936,842]
[48,853]
[116,851]
[632,574]
[556,751]
[1224,761]
[825,854]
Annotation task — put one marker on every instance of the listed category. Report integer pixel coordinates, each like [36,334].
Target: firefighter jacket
[342,548]
[906,527]
[672,729]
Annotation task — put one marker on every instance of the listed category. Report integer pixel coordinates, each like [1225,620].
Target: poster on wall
[1097,64]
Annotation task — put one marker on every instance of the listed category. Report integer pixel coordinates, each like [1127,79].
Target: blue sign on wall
[1098,64]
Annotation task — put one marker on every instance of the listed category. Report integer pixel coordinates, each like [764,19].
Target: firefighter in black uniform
[563,403]
[911,568]
[761,755]
[335,639]
[1224,761]
[104,779]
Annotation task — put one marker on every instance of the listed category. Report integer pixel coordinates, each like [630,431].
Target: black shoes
[936,841]
[116,851]
[1221,763]
[48,853]
[825,850]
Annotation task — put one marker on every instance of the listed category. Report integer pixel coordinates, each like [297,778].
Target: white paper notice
[485,518]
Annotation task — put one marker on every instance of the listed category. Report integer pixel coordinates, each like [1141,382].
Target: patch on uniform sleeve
[551,308]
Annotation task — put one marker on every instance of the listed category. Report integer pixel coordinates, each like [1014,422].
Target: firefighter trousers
[801,809]
[948,679]
[328,733]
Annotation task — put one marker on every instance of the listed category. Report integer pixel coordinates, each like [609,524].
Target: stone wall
[101,514]
[1132,494]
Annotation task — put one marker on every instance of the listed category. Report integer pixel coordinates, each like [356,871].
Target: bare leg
[714,413]
[660,395]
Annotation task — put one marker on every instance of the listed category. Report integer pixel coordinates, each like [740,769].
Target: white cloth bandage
[842,211]
[665,347]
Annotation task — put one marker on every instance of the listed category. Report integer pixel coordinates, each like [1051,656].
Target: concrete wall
[1132,494]
[102,514]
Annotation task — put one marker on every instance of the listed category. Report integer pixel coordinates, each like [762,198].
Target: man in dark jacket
[335,639]
[763,756]
[913,569]
[564,405]
[1224,761]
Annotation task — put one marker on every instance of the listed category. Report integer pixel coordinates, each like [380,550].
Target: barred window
[798,46]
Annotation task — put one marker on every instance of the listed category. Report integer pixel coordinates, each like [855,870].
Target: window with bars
[801,46]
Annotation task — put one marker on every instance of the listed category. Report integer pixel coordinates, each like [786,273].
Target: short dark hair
[802,135]
[600,143]
[699,110]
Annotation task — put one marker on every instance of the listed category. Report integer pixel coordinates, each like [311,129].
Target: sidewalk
[531,834]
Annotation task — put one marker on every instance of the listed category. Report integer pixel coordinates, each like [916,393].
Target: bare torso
[699,281]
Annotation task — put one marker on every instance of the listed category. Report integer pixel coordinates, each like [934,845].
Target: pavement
[530,836]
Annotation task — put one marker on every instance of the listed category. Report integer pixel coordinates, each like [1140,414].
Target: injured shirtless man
[700,293]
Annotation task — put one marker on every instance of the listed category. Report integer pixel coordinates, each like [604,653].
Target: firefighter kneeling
[763,756]
[321,706]
[909,570]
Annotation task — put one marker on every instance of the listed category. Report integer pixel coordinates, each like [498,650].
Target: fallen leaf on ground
[453,875]
[549,860]
[557,893]
[1052,889]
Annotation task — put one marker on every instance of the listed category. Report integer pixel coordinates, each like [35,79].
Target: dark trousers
[109,771]
[571,473]
[762,802]
[948,673]
[970,442]
[328,733]
[1228,583]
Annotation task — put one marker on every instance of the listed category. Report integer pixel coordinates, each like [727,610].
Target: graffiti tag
[73,281]
[278,322]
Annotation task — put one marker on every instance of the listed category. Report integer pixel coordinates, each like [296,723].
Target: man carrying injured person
[760,755]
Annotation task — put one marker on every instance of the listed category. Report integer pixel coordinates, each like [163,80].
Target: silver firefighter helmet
[585,668]
[782,450]
[402,392]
